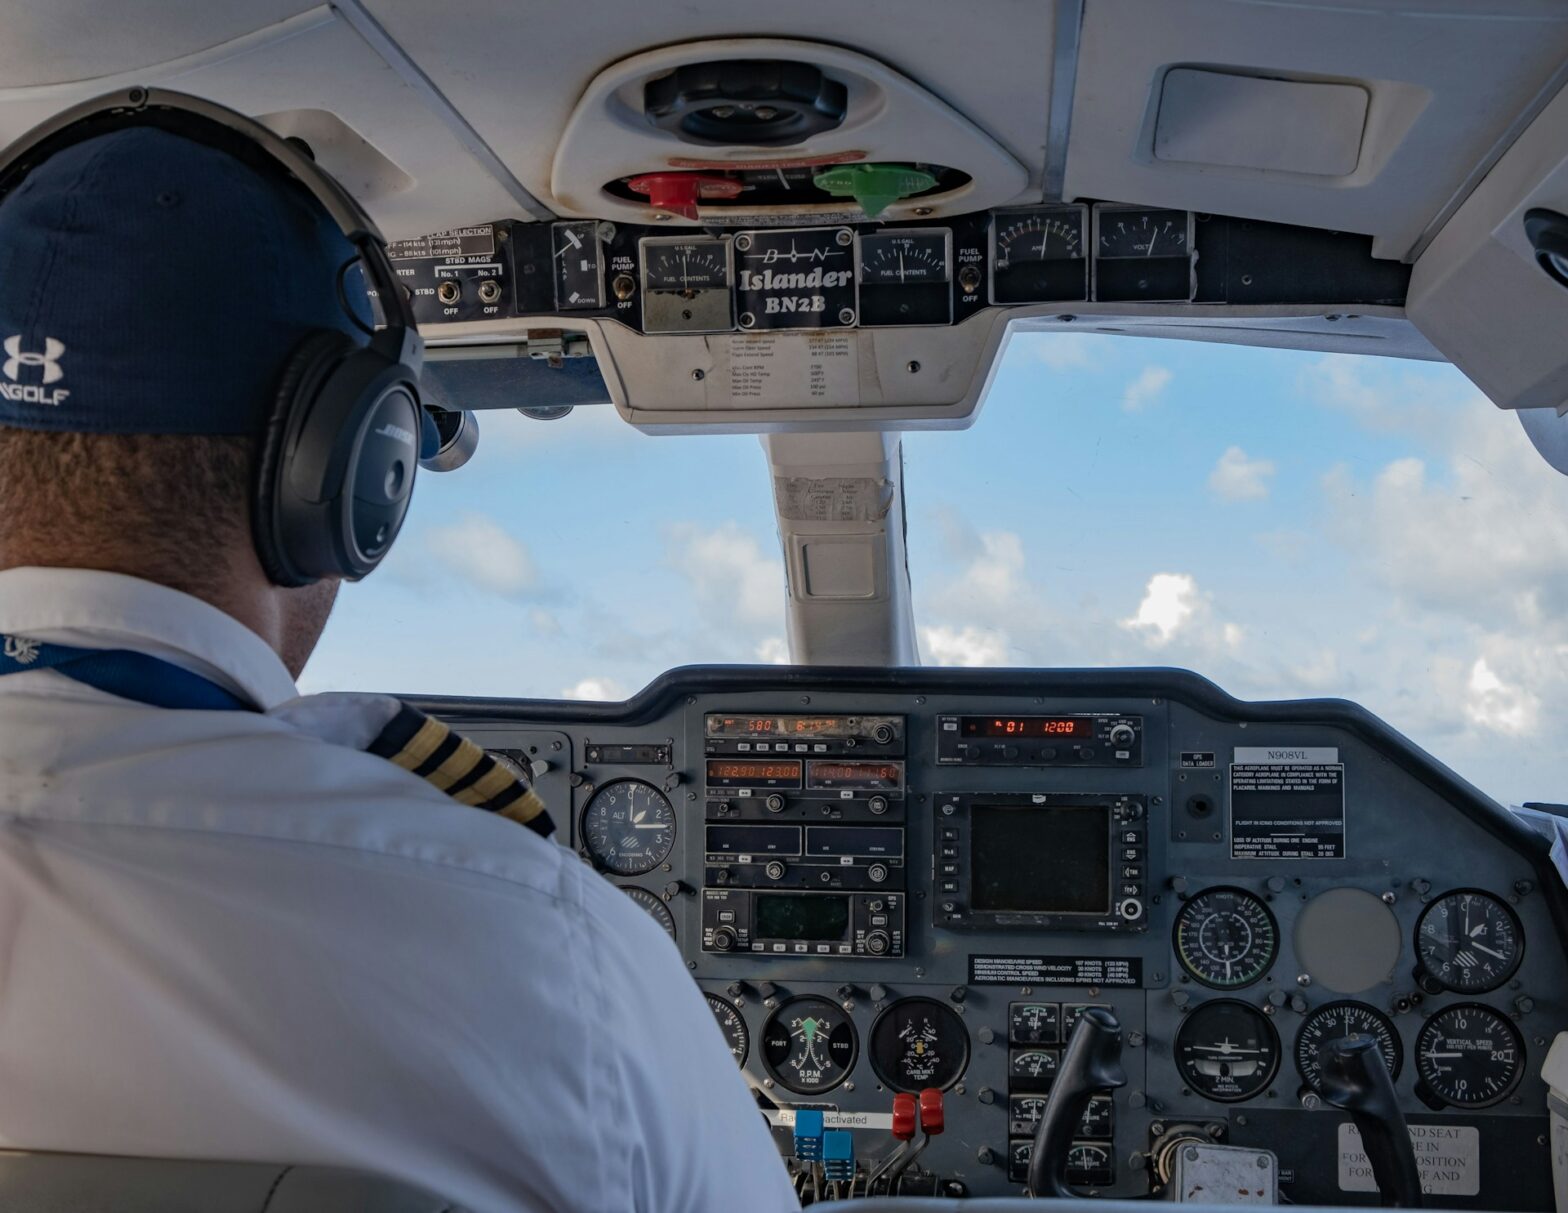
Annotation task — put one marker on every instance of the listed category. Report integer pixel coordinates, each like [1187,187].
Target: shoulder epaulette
[459,767]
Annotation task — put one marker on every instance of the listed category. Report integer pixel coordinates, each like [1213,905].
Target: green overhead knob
[874,186]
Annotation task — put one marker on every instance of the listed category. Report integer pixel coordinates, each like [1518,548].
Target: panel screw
[699,374]
[845,237]
[923,211]
[912,367]
[747,320]
[846,315]
[743,242]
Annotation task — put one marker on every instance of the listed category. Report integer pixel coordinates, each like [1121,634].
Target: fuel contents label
[1287,802]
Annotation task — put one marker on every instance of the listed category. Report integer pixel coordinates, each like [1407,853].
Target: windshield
[1287,524]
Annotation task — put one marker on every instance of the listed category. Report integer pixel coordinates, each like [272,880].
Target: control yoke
[1355,1078]
[1091,1065]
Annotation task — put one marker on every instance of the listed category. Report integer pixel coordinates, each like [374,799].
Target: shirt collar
[93,609]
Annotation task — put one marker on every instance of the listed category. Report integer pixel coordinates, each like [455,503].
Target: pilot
[236,923]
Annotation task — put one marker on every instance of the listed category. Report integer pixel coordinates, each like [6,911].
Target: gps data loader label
[1287,802]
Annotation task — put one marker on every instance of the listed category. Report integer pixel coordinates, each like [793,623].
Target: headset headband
[199,119]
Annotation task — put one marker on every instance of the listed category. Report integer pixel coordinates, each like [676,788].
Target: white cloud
[1496,705]
[1239,477]
[1146,389]
[966,646]
[729,573]
[595,688]
[1062,351]
[480,551]
[1169,601]
[544,623]
[773,650]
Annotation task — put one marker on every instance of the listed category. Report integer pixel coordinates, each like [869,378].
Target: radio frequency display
[1026,726]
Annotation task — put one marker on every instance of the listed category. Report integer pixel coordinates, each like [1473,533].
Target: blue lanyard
[123,672]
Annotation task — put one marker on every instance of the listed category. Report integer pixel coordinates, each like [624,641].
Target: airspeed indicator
[1226,938]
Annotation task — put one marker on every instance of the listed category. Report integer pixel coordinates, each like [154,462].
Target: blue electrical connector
[838,1156]
[808,1134]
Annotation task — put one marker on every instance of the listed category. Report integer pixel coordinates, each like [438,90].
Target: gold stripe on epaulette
[524,810]
[421,745]
[463,760]
[488,785]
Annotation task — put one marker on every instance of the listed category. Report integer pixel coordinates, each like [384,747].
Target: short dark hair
[169,507]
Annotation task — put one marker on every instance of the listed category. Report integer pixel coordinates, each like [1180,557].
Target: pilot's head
[152,291]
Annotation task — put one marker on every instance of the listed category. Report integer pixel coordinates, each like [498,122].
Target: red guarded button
[679,193]
[904,1117]
[932,1118]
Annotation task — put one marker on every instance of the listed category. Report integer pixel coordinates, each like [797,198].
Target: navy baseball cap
[150,284]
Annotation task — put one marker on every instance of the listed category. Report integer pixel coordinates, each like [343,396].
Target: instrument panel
[888,881]
[881,275]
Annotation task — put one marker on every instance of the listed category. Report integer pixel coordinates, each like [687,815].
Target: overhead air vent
[1264,124]
[750,102]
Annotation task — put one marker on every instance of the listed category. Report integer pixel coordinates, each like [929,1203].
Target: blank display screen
[1040,859]
[783,916]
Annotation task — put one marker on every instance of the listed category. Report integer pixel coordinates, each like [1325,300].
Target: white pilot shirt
[223,937]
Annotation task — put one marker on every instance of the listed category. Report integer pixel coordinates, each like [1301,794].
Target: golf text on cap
[49,363]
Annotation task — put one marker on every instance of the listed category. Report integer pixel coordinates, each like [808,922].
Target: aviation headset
[341,444]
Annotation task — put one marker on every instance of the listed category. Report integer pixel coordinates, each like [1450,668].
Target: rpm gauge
[1337,1020]
[657,910]
[1468,1056]
[809,1045]
[918,1043]
[1226,938]
[1469,941]
[1227,1051]
[732,1027]
[628,827]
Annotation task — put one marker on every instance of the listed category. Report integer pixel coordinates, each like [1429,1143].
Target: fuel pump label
[1287,802]
[1448,1157]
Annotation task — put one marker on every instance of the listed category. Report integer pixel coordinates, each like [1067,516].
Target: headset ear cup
[309,366]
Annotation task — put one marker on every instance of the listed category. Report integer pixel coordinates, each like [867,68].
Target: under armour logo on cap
[49,359]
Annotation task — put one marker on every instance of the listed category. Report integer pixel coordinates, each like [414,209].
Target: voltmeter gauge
[732,1027]
[1337,1020]
[1227,1051]
[657,910]
[1038,254]
[685,266]
[896,258]
[628,827]
[918,1043]
[1226,938]
[579,265]
[809,1045]
[1142,253]
[1468,1056]
[1469,942]
[1141,233]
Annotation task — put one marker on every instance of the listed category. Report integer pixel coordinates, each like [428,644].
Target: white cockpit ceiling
[469,100]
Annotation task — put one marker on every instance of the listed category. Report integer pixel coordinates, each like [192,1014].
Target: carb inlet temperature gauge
[1038,254]
[918,1043]
[809,1045]
[732,1027]
[1226,938]
[1227,1051]
[628,827]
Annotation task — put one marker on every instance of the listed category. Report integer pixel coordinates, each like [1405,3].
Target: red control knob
[932,1117]
[904,1117]
[679,193]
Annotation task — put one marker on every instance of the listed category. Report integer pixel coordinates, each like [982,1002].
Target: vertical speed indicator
[1038,254]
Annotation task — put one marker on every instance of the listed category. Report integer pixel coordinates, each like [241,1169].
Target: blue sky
[1287,524]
